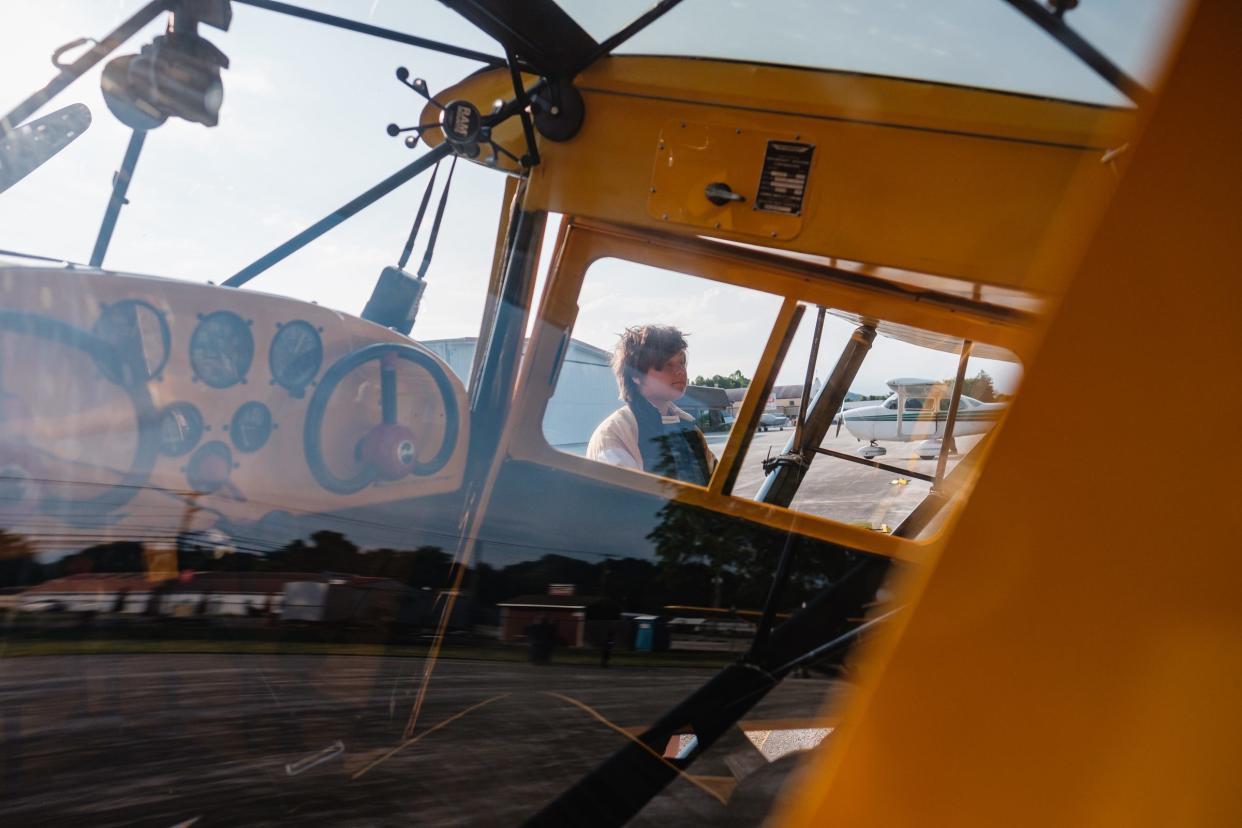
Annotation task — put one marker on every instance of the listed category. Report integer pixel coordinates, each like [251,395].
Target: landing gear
[930,449]
[873,451]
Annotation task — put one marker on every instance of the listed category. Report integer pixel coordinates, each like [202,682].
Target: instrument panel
[130,390]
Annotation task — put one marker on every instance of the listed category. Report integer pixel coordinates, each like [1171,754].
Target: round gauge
[139,333]
[181,427]
[295,356]
[251,426]
[210,467]
[221,349]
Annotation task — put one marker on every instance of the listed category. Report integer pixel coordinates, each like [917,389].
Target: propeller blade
[25,148]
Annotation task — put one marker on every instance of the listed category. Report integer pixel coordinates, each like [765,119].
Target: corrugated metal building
[586,392]
[706,404]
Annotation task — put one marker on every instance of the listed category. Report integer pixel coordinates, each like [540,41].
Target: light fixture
[177,75]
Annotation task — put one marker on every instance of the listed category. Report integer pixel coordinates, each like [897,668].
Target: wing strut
[785,472]
[120,185]
[639,23]
[1053,23]
[946,440]
[374,31]
[340,214]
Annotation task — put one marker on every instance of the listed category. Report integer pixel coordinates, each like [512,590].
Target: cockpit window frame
[583,243]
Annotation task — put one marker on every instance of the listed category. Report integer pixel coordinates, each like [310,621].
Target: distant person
[541,638]
[649,432]
[549,640]
[605,649]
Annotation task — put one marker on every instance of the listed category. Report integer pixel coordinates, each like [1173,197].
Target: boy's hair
[640,349]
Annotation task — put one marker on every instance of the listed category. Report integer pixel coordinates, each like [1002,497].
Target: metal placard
[782,184]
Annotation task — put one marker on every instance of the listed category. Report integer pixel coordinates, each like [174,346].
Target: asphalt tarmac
[166,740]
[841,490]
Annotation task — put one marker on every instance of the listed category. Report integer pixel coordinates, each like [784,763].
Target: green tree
[735,380]
[980,386]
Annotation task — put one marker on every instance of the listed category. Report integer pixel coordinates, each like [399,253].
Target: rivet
[653,189]
[556,110]
[717,225]
[773,234]
[739,130]
[664,216]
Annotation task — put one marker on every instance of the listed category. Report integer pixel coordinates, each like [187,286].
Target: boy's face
[666,383]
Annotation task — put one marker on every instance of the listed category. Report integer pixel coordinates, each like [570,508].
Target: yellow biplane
[265,559]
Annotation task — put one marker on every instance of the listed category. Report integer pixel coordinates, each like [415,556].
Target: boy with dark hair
[649,432]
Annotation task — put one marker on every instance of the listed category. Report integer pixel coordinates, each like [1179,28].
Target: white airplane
[917,411]
[777,421]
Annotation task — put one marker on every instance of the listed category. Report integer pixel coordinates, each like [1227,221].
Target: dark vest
[677,450]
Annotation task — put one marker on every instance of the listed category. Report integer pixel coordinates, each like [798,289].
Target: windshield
[501,479]
[205,202]
[983,43]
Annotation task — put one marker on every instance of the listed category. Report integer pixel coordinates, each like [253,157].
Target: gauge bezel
[269,425]
[193,468]
[108,370]
[244,360]
[295,386]
[193,415]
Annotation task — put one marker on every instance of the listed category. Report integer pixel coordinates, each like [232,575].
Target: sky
[302,132]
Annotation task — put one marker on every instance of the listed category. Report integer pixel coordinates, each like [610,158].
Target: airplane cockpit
[305,504]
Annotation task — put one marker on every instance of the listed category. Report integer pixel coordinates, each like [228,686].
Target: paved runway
[838,489]
[273,739]
[841,490]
